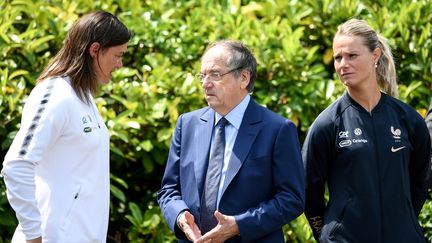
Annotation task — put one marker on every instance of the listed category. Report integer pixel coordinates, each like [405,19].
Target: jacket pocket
[70,209]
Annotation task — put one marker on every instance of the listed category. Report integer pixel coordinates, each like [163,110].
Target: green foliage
[149,227]
[298,231]
[8,220]
[425,218]
[291,41]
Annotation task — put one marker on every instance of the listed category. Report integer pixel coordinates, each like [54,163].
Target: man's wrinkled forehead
[214,52]
[215,56]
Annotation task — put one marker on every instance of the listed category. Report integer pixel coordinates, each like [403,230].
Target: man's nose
[206,82]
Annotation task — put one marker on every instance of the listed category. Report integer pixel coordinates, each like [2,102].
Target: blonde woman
[369,148]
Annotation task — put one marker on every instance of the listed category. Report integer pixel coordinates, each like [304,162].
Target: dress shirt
[234,117]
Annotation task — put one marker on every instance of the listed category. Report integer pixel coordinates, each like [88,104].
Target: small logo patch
[343,134]
[394,150]
[396,132]
[345,143]
[358,131]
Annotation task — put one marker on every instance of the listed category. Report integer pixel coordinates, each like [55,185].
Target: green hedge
[292,44]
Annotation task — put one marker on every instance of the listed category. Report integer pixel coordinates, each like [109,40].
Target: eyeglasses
[214,75]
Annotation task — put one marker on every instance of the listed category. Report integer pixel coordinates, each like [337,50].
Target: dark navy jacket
[264,183]
[375,166]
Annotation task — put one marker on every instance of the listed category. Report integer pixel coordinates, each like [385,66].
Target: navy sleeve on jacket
[419,165]
[317,154]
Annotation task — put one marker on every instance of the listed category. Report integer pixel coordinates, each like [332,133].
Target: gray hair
[241,57]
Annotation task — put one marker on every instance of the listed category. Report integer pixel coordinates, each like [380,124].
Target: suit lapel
[202,137]
[246,135]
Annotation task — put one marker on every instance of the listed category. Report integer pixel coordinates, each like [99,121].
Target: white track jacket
[57,169]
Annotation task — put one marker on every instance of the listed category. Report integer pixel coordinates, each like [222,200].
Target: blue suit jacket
[264,184]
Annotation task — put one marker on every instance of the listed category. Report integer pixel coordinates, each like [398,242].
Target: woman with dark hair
[57,169]
[370,149]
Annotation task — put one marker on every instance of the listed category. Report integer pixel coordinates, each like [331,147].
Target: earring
[376,65]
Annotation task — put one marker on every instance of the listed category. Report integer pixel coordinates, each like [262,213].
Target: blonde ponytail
[386,71]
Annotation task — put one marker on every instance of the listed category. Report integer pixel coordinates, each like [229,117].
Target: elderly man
[234,171]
